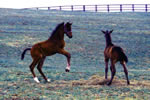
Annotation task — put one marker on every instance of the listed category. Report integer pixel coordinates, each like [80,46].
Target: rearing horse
[54,44]
[115,54]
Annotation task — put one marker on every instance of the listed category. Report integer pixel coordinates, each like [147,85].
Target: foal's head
[108,37]
[107,33]
[68,29]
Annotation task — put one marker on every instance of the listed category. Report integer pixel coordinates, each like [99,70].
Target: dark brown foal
[115,54]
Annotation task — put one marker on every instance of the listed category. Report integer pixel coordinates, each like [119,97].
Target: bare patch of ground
[99,81]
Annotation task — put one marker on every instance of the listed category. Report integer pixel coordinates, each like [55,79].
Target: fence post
[120,8]
[72,7]
[59,7]
[133,7]
[146,8]
[83,7]
[108,8]
[95,8]
[48,8]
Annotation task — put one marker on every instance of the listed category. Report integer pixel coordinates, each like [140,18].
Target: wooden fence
[101,8]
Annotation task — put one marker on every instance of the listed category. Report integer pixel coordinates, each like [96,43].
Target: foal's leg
[106,67]
[125,71]
[113,72]
[68,55]
[32,66]
[39,67]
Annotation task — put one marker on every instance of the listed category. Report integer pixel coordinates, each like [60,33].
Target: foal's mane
[56,29]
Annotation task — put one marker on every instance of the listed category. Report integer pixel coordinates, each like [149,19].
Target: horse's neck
[57,36]
[109,42]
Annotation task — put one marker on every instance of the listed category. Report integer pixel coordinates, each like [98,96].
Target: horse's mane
[56,29]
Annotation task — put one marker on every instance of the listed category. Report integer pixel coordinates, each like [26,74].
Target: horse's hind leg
[39,67]
[126,72]
[113,72]
[106,67]
[32,66]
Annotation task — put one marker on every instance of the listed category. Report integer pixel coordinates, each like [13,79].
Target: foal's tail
[22,55]
[124,57]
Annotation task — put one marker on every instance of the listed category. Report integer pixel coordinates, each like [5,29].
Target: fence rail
[101,8]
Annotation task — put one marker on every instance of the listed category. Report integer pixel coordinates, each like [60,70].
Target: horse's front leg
[68,55]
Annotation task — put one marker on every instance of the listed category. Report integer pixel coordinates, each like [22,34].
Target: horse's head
[107,33]
[108,37]
[68,29]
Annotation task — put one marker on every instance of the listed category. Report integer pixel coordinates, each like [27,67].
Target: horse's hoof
[67,70]
[128,83]
[109,83]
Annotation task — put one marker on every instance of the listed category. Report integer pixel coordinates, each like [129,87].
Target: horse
[54,44]
[115,54]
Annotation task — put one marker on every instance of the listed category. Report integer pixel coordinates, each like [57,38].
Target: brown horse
[115,54]
[54,44]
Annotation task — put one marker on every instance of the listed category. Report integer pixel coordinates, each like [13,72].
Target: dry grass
[98,81]
[62,88]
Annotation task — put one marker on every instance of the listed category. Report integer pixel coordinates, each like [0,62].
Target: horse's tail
[123,57]
[22,55]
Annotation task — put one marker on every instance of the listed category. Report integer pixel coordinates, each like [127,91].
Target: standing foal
[115,54]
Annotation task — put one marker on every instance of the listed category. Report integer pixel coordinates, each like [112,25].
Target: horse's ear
[111,31]
[63,22]
[70,23]
[103,31]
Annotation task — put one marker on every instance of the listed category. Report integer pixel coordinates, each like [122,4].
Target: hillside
[20,29]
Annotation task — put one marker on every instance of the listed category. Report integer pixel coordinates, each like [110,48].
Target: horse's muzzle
[70,37]
[69,34]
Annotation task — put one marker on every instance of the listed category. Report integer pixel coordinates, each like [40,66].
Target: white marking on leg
[48,80]
[124,63]
[36,80]
[68,66]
